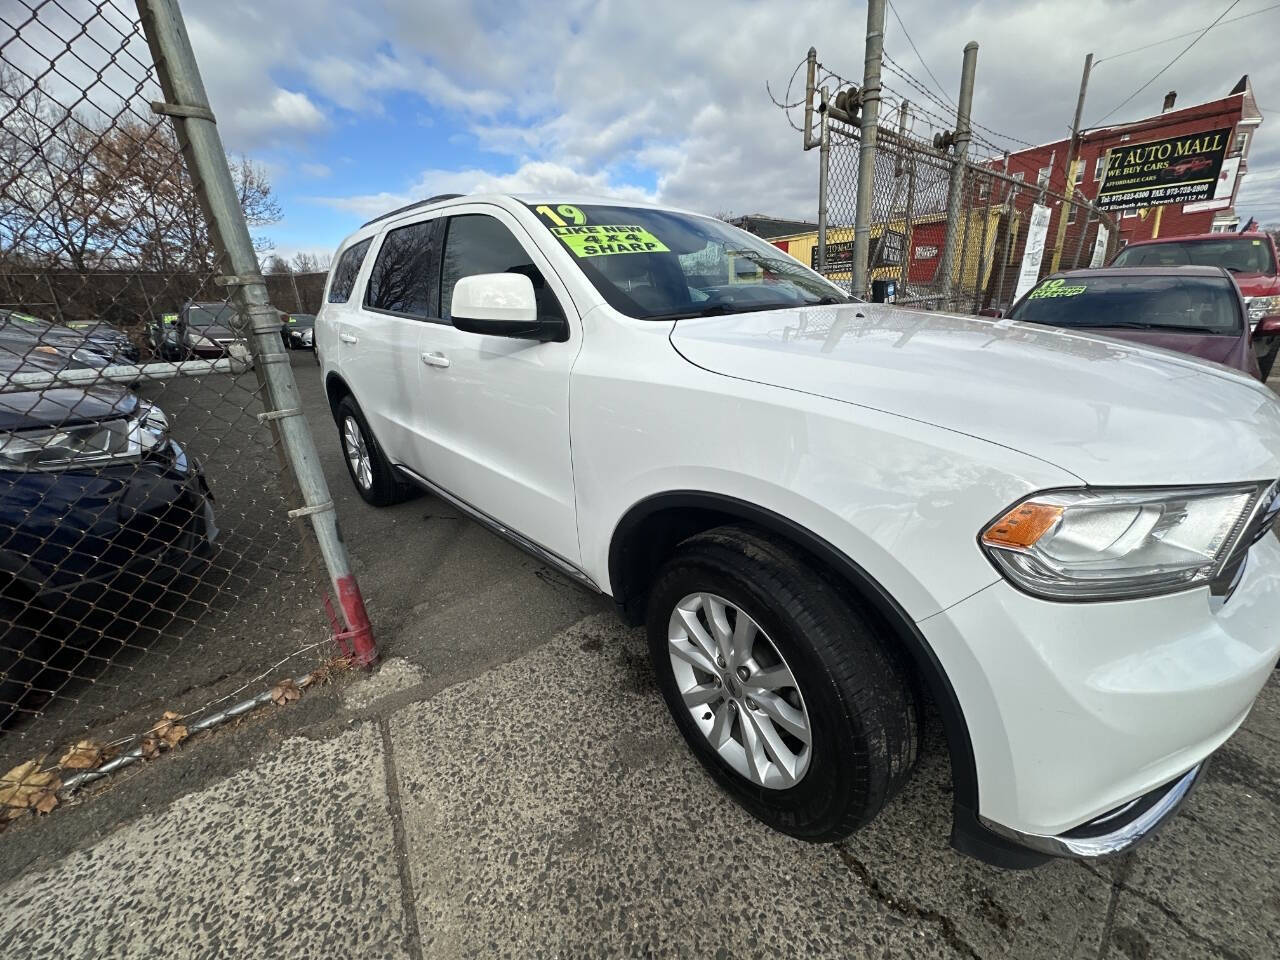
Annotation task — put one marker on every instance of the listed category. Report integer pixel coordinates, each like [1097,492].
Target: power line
[907,34]
[1179,36]
[1199,36]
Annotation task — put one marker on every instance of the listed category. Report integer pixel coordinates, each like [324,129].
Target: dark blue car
[96,500]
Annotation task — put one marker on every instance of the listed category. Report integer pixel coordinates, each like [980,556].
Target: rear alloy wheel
[792,698]
[372,475]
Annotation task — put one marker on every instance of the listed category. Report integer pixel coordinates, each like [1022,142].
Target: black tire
[862,708]
[382,488]
[1268,359]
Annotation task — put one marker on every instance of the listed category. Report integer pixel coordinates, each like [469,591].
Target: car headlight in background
[1260,307]
[200,340]
[87,444]
[1111,544]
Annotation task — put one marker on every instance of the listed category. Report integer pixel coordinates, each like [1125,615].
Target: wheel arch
[335,388]
[652,527]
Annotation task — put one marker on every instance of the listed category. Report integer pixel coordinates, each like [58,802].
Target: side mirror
[1267,327]
[991,312]
[500,305]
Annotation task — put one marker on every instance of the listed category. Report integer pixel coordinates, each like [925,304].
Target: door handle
[435,359]
[348,338]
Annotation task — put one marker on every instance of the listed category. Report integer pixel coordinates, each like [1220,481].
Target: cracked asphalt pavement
[508,784]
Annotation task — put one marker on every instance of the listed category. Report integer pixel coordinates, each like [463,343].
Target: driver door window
[476,244]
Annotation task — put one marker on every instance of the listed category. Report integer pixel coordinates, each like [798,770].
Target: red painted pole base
[356,642]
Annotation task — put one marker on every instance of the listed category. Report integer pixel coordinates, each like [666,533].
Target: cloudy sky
[358,107]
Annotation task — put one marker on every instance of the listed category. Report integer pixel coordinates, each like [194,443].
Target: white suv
[829,512]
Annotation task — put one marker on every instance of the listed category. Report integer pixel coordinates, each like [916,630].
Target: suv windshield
[659,265]
[1186,304]
[1238,254]
[211,315]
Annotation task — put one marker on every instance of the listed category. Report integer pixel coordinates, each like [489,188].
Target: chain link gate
[167,542]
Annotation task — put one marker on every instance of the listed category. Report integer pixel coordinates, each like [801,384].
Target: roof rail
[413,206]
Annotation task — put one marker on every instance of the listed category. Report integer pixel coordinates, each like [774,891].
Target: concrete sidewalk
[546,807]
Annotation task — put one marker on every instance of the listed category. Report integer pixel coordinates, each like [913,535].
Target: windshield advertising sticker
[599,241]
[1181,169]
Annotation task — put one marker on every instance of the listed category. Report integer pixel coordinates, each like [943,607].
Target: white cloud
[533,177]
[676,90]
[317,171]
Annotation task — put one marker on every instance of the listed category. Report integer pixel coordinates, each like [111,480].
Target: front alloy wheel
[793,700]
[739,691]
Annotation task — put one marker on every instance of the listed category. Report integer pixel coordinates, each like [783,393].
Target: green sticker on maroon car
[604,241]
[1056,288]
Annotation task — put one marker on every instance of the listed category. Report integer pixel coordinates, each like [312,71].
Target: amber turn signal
[1023,525]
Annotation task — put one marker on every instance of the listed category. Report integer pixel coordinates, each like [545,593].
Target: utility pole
[955,191]
[1073,158]
[867,146]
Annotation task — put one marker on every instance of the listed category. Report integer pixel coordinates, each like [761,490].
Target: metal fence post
[964,107]
[867,145]
[188,106]
[824,168]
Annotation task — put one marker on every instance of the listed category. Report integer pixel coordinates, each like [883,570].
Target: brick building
[1237,110]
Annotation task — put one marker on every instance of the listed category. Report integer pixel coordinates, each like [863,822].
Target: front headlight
[1110,544]
[87,444]
[1260,307]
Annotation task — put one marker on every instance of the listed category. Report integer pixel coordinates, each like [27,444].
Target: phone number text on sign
[599,241]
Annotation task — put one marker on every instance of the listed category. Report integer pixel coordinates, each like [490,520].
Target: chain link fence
[910,227]
[151,575]
[1003,236]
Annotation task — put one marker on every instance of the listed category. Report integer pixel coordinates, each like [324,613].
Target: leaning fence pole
[964,107]
[867,145]
[188,106]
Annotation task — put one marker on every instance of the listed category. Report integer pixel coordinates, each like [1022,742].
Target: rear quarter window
[346,271]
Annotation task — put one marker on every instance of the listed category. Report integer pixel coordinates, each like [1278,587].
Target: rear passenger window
[402,280]
[344,274]
[480,244]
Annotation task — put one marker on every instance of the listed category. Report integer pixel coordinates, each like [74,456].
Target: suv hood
[1108,412]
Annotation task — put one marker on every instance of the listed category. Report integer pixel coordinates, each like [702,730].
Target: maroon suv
[1195,310]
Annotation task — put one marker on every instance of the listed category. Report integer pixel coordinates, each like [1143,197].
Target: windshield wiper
[826,301]
[718,309]
[1178,327]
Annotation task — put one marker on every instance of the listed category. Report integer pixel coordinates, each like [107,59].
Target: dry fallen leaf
[150,748]
[85,755]
[26,786]
[169,730]
[285,691]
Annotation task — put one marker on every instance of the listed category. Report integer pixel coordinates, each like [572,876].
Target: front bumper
[1077,710]
[82,533]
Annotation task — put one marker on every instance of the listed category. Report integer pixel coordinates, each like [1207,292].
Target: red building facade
[1238,111]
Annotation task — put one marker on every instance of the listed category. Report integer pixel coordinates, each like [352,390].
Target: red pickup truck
[1250,258]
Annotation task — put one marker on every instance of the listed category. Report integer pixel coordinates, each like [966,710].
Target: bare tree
[79,190]
[311,262]
[277,264]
